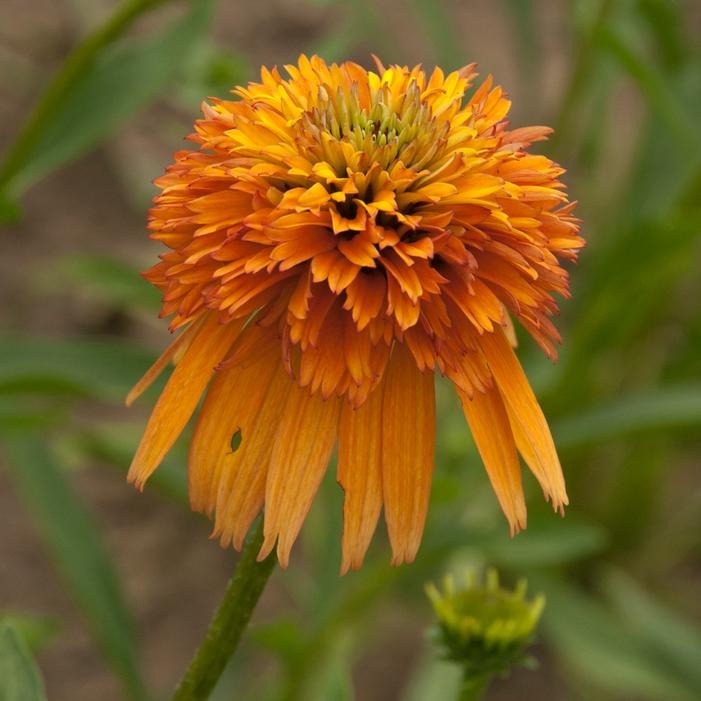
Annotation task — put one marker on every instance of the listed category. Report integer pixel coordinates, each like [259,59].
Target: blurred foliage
[19,676]
[620,573]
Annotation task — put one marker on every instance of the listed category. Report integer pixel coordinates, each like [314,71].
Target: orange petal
[178,346]
[408,438]
[233,400]
[242,486]
[489,423]
[181,395]
[528,423]
[301,451]
[360,476]
[509,330]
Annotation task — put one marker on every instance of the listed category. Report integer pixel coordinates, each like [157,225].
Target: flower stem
[473,687]
[229,622]
[73,69]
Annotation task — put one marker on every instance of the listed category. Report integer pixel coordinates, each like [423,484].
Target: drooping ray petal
[230,409]
[490,427]
[408,438]
[301,452]
[242,486]
[171,353]
[529,425]
[360,475]
[181,395]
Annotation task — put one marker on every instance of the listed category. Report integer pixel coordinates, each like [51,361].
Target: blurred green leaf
[35,630]
[599,650]
[333,682]
[654,86]
[72,538]
[283,637]
[10,212]
[211,71]
[434,679]
[671,639]
[19,674]
[100,369]
[437,24]
[526,37]
[335,46]
[364,20]
[111,280]
[23,413]
[650,199]
[598,115]
[546,542]
[589,19]
[665,19]
[116,443]
[123,80]
[624,303]
[665,408]
[79,62]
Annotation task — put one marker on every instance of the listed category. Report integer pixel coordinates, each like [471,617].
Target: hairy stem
[229,622]
[473,687]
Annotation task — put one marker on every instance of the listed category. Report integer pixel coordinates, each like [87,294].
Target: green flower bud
[483,626]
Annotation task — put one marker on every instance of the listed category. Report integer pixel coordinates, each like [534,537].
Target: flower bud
[484,626]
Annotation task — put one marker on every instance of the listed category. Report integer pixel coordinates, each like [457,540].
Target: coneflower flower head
[484,626]
[340,236]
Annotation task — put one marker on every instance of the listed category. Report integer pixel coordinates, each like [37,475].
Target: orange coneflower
[340,236]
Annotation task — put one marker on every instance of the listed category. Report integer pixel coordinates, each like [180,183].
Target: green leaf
[654,86]
[104,370]
[526,37]
[665,19]
[116,443]
[36,631]
[10,212]
[73,540]
[284,638]
[434,679]
[335,46]
[124,79]
[211,71]
[669,637]
[112,281]
[664,409]
[25,413]
[19,674]
[333,683]
[599,650]
[440,27]
[547,541]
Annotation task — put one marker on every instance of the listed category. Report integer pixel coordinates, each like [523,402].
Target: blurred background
[111,590]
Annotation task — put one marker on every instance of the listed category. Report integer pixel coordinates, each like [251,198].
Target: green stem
[473,687]
[78,63]
[228,623]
